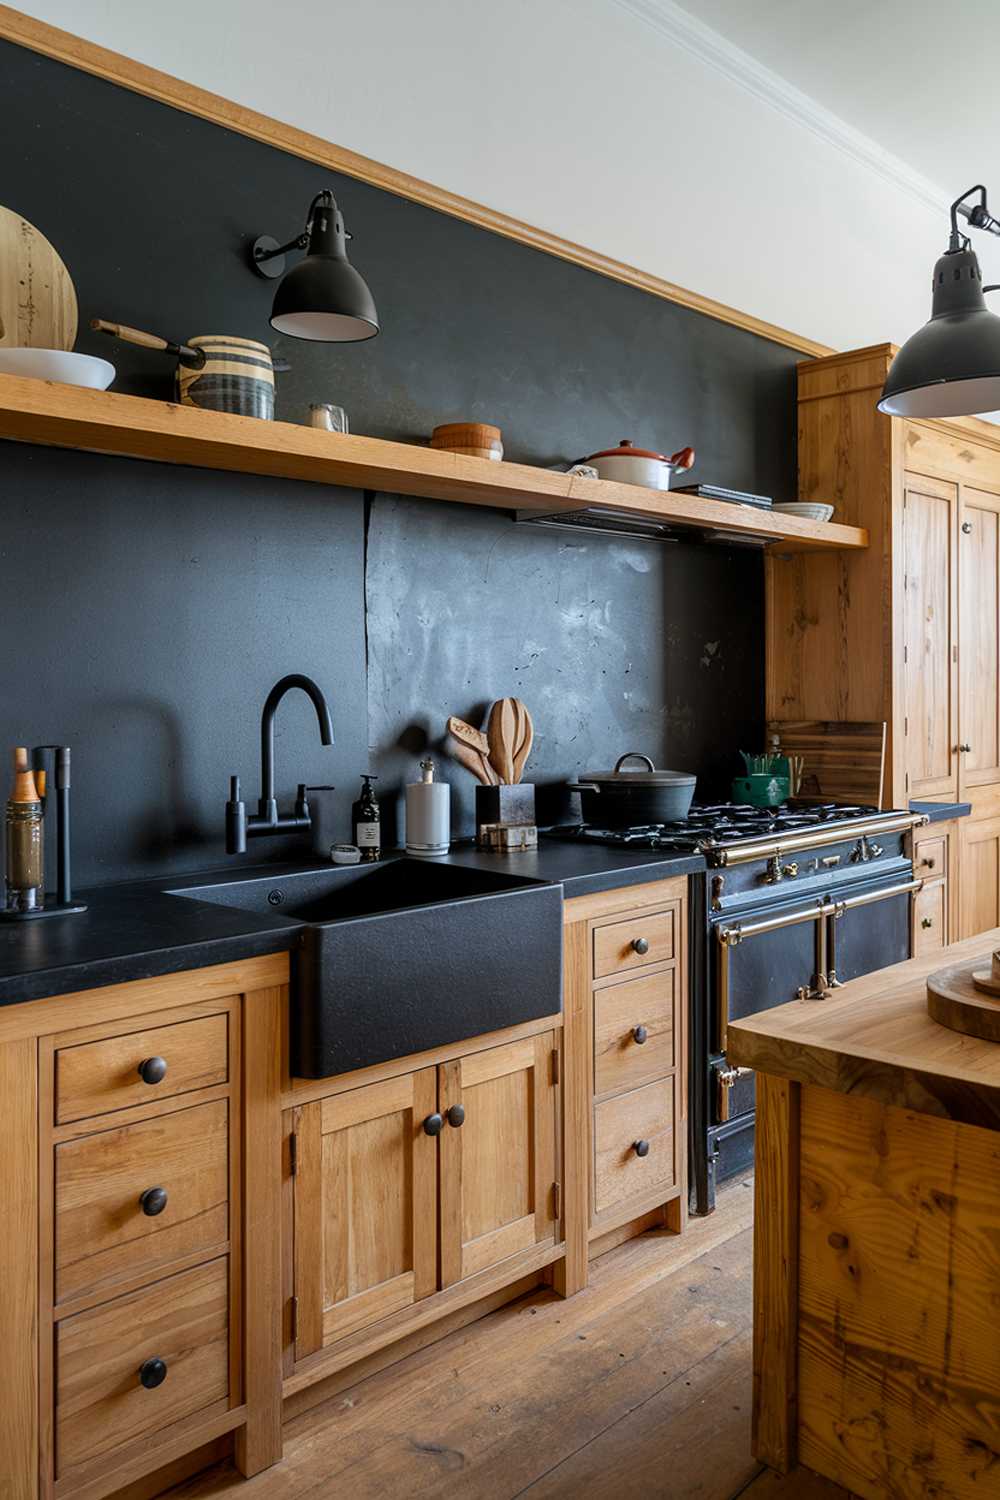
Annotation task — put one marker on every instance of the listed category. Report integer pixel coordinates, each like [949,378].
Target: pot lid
[649,777]
[627,449]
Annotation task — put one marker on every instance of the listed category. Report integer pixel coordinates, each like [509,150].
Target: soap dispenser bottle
[366,824]
[428,814]
[24,829]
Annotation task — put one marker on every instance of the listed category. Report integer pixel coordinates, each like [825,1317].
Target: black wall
[146,610]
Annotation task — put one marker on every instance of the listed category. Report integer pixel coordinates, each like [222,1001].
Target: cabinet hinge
[954,653]
[295,1318]
[557,1200]
[293,1154]
[906,653]
[906,725]
[555,1065]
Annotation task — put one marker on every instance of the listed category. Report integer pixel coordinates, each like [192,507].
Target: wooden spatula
[525,737]
[501,731]
[474,762]
[476,741]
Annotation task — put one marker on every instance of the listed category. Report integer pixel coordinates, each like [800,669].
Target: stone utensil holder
[505,804]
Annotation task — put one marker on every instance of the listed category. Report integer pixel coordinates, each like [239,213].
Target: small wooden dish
[966,998]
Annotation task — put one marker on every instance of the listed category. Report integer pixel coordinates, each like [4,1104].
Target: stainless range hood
[599,518]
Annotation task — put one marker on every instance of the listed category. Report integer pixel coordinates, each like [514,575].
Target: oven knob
[790,870]
[875,850]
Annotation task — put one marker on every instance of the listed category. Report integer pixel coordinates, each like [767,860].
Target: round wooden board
[37,298]
[954,1001]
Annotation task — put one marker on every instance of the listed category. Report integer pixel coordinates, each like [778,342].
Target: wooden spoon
[472,761]
[475,741]
[501,731]
[525,738]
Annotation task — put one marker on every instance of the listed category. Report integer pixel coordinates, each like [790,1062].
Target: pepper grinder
[428,815]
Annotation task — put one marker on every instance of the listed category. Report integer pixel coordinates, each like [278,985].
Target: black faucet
[267,820]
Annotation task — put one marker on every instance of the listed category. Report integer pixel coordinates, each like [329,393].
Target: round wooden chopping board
[955,1001]
[37,298]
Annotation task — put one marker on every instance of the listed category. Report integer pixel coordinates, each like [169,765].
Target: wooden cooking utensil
[37,298]
[193,357]
[472,761]
[501,731]
[475,740]
[524,737]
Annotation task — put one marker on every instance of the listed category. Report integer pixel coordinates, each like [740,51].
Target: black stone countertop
[139,930]
[941,812]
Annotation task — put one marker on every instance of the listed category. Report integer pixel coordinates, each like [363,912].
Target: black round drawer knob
[433,1125]
[456,1115]
[640,945]
[640,1034]
[641,1148]
[153,1201]
[153,1069]
[152,1372]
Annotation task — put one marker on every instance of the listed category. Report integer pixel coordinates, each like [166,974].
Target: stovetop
[718,825]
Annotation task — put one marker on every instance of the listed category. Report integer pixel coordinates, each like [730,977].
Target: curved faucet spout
[274,697]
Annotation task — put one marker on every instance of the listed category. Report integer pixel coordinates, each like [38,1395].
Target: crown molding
[723,56]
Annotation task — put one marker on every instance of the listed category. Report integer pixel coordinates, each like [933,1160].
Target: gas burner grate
[715,825]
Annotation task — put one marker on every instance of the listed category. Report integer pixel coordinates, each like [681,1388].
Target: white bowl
[809,510]
[60,365]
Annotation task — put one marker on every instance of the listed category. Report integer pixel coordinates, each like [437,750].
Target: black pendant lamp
[951,366]
[323,298]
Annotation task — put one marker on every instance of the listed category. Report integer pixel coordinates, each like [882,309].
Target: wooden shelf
[65,416]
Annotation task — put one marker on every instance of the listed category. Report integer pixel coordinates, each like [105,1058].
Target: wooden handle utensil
[195,357]
[476,741]
[472,761]
[501,731]
[525,737]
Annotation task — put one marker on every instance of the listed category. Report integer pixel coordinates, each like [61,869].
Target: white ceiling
[917,76]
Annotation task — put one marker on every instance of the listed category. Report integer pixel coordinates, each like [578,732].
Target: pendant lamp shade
[951,366]
[322,298]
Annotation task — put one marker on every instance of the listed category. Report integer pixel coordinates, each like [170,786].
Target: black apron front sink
[400,957]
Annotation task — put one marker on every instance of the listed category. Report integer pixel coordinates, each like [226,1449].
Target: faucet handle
[236,819]
[302,801]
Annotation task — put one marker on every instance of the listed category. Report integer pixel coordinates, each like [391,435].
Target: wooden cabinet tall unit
[907,631]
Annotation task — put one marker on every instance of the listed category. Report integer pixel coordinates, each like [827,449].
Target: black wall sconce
[323,298]
[951,366]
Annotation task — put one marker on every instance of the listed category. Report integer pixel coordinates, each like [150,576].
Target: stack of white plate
[809,510]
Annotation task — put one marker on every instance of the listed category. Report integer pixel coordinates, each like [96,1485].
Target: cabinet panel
[497,1165]
[647,939]
[979,878]
[365,1206]
[929,634]
[634,1032]
[101,1402]
[105,1230]
[930,927]
[96,1077]
[640,1122]
[979,637]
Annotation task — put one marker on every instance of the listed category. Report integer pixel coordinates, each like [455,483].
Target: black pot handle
[633,755]
[582,786]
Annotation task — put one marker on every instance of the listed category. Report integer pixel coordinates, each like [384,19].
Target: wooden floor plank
[638,1386]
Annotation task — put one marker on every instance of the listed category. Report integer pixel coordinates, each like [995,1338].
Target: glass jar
[25,856]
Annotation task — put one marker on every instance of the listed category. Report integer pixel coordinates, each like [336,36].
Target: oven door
[800,954]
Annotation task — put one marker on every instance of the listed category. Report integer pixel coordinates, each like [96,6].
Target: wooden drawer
[103,1232]
[930,927]
[646,1114]
[930,857]
[620,1061]
[631,944]
[101,1403]
[97,1077]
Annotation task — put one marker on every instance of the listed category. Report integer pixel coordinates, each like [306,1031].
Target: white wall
[580,117]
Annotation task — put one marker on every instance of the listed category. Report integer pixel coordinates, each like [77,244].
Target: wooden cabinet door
[497,1166]
[979,638]
[365,1207]
[979,876]
[929,636]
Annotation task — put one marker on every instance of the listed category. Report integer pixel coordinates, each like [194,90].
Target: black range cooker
[795,901]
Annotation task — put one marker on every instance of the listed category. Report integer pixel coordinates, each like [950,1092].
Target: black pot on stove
[623,798]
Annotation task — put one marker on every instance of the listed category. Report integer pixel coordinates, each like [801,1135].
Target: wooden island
[877,1241]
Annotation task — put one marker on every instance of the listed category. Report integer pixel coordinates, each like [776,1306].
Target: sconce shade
[951,366]
[324,298]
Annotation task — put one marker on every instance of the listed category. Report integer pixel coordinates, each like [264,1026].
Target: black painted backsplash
[147,609]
